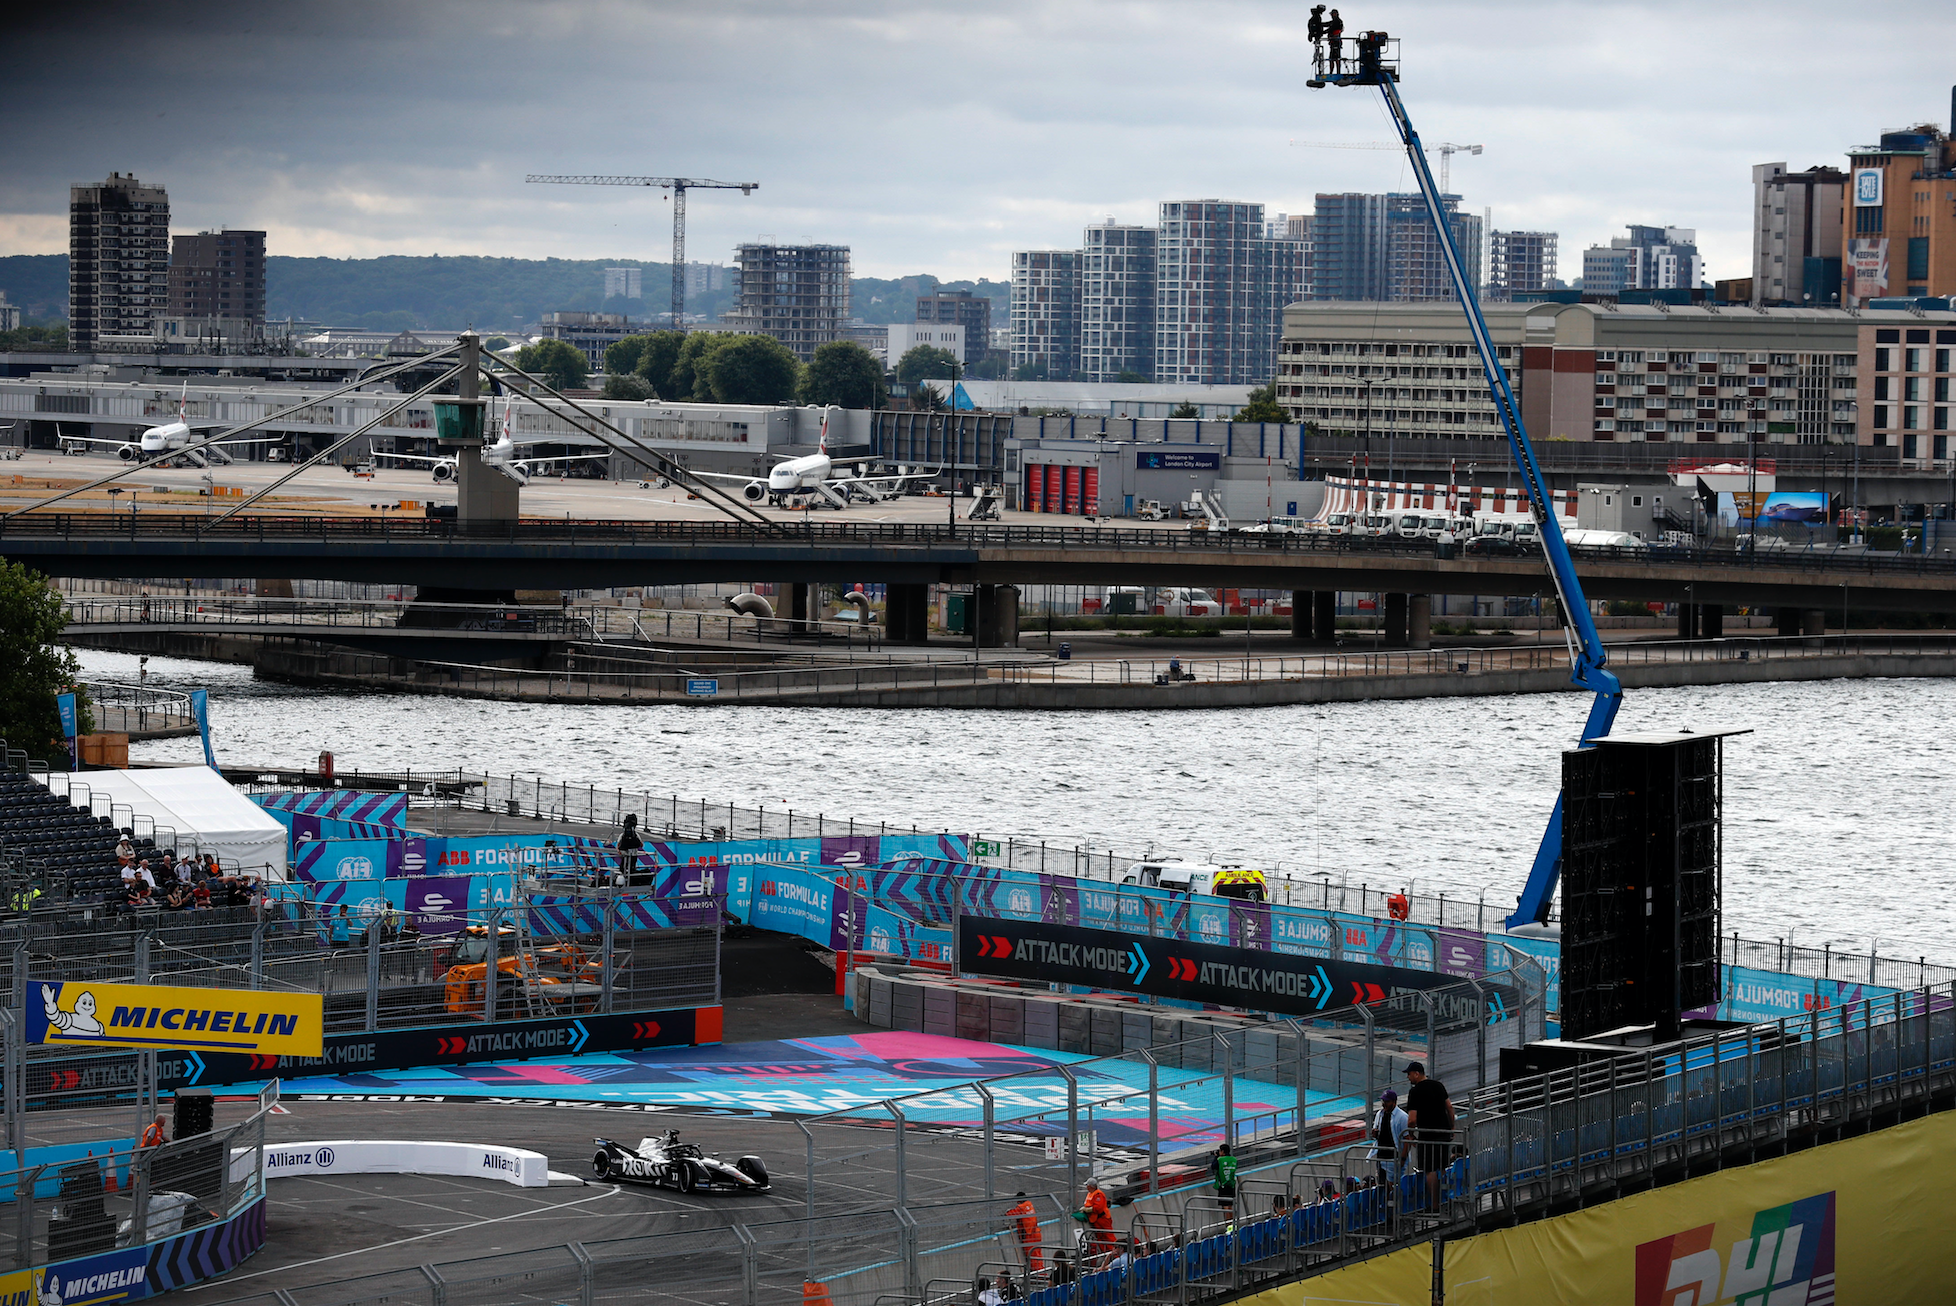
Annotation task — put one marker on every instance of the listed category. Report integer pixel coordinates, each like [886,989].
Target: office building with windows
[799,294]
[118,260]
[218,274]
[1796,235]
[1649,258]
[1416,268]
[1908,366]
[624,283]
[1604,372]
[960,308]
[1900,221]
[1221,284]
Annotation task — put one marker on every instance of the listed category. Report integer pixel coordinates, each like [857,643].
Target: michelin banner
[151,1015]
[1850,1222]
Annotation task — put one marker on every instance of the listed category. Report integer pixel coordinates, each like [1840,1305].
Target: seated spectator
[1008,1290]
[200,897]
[988,1295]
[140,896]
[143,872]
[1297,1201]
[175,898]
[1277,1205]
[1327,1192]
[125,849]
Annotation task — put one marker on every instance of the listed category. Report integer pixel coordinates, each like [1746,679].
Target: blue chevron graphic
[197,1068]
[582,1035]
[1497,1010]
[1139,970]
[1321,988]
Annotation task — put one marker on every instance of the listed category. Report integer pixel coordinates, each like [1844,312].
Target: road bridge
[590,554]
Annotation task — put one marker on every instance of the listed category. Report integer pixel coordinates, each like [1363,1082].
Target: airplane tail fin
[823,443]
[183,402]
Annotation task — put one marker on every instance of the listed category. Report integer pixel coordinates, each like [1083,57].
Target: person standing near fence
[629,845]
[1429,1118]
[1388,1136]
[1223,1169]
[1027,1219]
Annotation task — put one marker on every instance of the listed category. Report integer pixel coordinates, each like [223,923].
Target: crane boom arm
[1586,653]
[684,183]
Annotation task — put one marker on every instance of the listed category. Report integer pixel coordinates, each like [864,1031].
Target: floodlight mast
[1586,653]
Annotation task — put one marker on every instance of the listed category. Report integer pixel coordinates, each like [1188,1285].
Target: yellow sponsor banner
[1851,1222]
[151,1015]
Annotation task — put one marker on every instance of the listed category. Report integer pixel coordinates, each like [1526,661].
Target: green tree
[688,379]
[621,356]
[1033,371]
[845,374]
[655,364]
[33,667]
[557,362]
[753,370]
[1262,407]
[1184,412]
[36,339]
[628,386]
[1129,376]
[925,363]
[927,398]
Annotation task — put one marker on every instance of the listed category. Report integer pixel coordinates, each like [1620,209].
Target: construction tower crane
[1587,656]
[678,186]
[1447,150]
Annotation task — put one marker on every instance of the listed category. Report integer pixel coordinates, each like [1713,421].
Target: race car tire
[688,1177]
[752,1167]
[601,1165]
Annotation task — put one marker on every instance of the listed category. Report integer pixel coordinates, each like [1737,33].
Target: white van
[1182,602]
[1198,877]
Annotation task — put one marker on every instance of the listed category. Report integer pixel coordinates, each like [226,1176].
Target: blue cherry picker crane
[1373,66]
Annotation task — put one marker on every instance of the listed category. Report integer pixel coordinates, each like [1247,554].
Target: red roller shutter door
[1053,486]
[1090,492]
[1035,498]
[1071,506]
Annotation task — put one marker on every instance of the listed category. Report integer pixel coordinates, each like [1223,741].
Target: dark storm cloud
[927,136]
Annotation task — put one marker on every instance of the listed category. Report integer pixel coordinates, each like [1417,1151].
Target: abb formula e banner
[1194,972]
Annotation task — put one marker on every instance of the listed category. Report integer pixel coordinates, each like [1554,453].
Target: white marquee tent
[196,804]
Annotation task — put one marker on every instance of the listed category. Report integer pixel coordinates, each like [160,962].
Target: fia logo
[355,868]
[1019,900]
[879,940]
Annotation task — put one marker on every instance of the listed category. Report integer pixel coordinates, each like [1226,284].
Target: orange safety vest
[153,1135]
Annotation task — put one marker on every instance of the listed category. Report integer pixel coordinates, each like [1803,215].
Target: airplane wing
[563,458]
[268,439]
[886,478]
[727,476]
[96,439]
[412,458]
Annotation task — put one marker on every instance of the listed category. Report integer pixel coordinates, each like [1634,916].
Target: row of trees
[729,368]
[34,666]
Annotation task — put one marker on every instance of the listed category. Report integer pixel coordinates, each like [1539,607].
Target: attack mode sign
[1787,1256]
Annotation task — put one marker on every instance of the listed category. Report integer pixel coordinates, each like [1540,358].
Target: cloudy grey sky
[928,136]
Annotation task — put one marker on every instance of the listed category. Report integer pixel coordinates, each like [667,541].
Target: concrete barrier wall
[356,1156]
[1350,689]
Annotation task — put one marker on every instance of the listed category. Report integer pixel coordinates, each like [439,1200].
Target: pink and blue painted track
[849,1077]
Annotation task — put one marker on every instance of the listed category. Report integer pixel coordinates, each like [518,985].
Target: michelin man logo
[78,1023]
[49,1293]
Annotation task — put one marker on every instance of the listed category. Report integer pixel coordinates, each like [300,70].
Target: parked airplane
[814,474]
[499,454]
[170,437]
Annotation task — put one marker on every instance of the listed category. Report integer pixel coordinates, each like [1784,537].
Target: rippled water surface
[1838,805]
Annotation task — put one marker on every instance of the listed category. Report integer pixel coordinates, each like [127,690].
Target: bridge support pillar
[1300,613]
[1687,621]
[998,616]
[1395,620]
[799,605]
[906,614]
[1786,621]
[1419,621]
[1813,621]
[1711,621]
[1324,615]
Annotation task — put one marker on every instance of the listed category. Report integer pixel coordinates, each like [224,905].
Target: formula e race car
[665,1162]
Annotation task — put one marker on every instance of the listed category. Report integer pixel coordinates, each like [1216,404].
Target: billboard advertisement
[1851,1221]
[1867,267]
[1867,188]
[1171,460]
[1780,508]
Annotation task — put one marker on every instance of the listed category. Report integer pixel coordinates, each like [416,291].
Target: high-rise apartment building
[964,309]
[1796,235]
[1221,284]
[1348,240]
[1117,279]
[623,283]
[799,294]
[1045,311]
[118,259]
[218,274]
[1900,225]
[1520,262]
[1416,270]
[1649,258]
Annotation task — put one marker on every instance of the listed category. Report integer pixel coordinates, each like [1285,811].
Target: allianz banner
[152,1016]
[1194,972]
